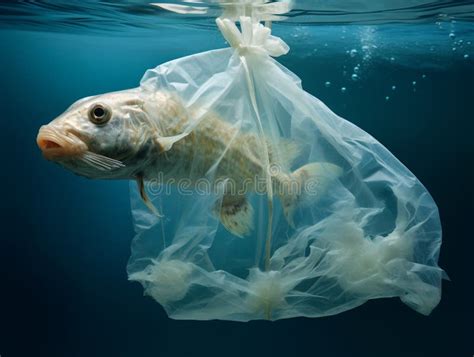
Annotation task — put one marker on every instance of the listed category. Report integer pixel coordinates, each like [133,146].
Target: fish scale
[213,139]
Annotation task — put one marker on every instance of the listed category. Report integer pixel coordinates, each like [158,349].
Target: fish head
[98,137]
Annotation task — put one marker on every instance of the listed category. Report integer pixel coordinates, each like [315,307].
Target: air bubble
[452,35]
[355,77]
[353,53]
[466,56]
[387,98]
[414,83]
[423,76]
[394,87]
[327,84]
[392,59]
[356,69]
[343,89]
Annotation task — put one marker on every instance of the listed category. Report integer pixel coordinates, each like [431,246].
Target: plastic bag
[329,217]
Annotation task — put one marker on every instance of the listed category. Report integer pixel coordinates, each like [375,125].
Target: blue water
[66,240]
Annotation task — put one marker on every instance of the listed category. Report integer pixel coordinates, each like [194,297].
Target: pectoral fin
[144,196]
[236,215]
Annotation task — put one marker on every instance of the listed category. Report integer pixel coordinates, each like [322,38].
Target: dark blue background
[65,240]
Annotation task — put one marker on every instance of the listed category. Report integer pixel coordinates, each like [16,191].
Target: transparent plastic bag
[348,222]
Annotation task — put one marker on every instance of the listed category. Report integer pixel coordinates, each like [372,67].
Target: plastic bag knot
[253,38]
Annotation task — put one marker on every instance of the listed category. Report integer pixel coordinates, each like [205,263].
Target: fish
[144,135]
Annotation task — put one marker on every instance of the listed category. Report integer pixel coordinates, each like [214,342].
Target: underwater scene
[239,178]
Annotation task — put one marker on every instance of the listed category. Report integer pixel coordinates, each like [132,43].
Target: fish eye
[99,114]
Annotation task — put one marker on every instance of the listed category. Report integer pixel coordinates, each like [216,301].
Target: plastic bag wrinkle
[372,231]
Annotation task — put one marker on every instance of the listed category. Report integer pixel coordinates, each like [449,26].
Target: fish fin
[283,152]
[165,143]
[308,184]
[101,162]
[144,196]
[236,214]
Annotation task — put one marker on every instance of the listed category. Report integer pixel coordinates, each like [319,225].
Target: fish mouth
[57,145]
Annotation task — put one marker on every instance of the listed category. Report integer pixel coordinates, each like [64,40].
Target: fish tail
[306,185]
